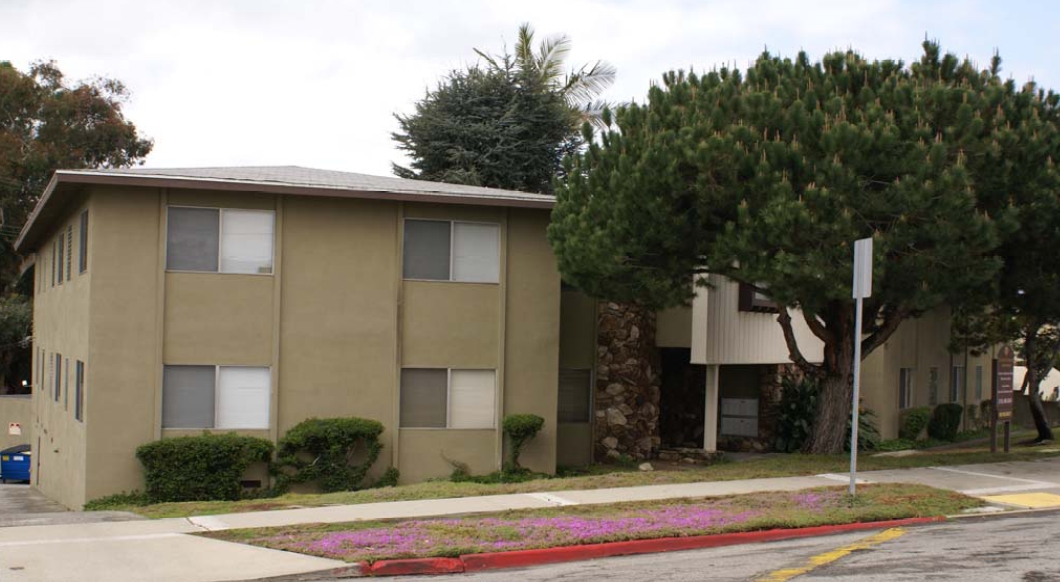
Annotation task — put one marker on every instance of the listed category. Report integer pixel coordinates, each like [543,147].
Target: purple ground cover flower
[441,536]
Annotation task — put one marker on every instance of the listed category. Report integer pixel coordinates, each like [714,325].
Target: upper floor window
[441,250]
[82,249]
[220,240]
[753,299]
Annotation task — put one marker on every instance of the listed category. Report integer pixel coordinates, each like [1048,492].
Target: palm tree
[580,87]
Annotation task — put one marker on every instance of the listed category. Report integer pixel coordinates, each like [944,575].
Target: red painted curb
[415,566]
[523,558]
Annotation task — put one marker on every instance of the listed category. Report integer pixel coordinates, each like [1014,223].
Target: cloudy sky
[315,82]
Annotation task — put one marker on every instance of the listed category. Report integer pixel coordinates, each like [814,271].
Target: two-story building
[172,302]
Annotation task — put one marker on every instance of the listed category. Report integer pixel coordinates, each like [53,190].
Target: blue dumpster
[15,463]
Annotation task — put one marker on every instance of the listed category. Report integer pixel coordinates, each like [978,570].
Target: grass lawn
[552,527]
[597,477]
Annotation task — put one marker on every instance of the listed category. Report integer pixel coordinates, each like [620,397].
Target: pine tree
[768,176]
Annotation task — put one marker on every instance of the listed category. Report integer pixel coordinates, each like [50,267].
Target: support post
[710,417]
[856,396]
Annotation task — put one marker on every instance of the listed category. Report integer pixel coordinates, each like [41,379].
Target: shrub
[912,422]
[333,453]
[796,413]
[389,478]
[118,501]
[945,420]
[200,468]
[519,429]
[868,435]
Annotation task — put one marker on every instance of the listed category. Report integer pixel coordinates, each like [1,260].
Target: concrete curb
[525,558]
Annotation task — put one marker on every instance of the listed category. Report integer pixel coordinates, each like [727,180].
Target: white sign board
[14,428]
[862,268]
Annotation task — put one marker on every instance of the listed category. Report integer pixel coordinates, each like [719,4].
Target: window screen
[79,387]
[59,261]
[905,387]
[476,252]
[426,253]
[242,397]
[956,383]
[423,398]
[69,251]
[472,398]
[246,241]
[66,380]
[58,375]
[192,239]
[188,396]
[82,251]
[574,390]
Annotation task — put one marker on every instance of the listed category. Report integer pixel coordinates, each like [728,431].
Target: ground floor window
[79,388]
[446,398]
[228,397]
[905,388]
[956,383]
[575,394]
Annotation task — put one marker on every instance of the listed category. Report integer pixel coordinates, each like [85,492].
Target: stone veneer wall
[627,383]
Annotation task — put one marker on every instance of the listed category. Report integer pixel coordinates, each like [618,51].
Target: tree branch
[818,328]
[891,321]
[784,319]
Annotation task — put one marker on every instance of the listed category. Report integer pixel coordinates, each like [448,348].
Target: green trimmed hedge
[912,422]
[519,428]
[796,413]
[325,451]
[200,468]
[945,420]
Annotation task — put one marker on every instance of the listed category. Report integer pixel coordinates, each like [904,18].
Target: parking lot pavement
[21,505]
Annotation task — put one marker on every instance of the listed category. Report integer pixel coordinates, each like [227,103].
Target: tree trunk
[1033,381]
[836,376]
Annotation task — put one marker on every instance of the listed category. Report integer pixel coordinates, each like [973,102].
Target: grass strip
[598,477]
[590,524]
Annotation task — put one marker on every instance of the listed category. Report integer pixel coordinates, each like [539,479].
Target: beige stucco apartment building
[169,302]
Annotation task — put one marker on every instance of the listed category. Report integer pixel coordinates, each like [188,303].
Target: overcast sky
[315,83]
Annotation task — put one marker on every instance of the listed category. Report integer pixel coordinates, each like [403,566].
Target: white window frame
[217,391]
[220,238]
[449,397]
[956,390]
[452,255]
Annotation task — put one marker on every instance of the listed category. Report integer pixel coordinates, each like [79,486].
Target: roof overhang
[65,183]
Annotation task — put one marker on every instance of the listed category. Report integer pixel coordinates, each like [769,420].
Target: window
[440,398]
[905,388]
[978,384]
[59,261]
[439,250]
[754,300]
[933,385]
[82,250]
[69,251]
[575,390]
[956,383]
[228,397]
[79,391]
[57,374]
[55,248]
[220,240]
[66,380]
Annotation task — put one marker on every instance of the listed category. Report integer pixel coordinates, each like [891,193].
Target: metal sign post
[862,288]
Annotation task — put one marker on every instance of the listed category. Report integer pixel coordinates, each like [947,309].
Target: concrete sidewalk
[160,549]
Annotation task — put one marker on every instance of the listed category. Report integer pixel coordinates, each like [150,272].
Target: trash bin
[15,463]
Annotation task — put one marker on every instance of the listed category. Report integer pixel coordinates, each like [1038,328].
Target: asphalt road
[1021,547]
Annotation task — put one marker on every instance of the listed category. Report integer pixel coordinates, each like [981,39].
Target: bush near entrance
[520,429]
[333,453]
[945,421]
[200,468]
[913,422]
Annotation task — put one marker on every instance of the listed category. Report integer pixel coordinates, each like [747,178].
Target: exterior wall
[335,322]
[736,337]
[61,326]
[16,409]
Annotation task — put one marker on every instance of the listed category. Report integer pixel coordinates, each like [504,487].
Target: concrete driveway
[22,505]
